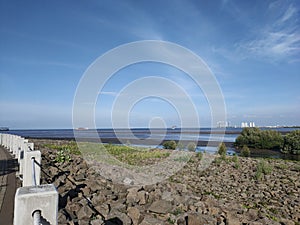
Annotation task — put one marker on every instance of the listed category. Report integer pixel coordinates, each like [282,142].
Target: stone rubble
[221,194]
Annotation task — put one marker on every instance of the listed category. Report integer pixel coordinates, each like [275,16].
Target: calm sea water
[146,135]
[203,134]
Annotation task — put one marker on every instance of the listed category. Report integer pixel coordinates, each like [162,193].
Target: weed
[222,149]
[63,155]
[235,159]
[245,151]
[199,155]
[263,168]
[274,218]
[216,196]
[177,212]
[171,221]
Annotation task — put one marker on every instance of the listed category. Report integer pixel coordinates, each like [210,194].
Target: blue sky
[252,48]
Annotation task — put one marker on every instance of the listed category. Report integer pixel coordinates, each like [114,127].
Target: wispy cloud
[36,61]
[278,39]
[110,93]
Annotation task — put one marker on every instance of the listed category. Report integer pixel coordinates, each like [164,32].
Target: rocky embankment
[227,192]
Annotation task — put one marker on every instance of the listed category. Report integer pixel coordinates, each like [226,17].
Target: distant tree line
[269,139]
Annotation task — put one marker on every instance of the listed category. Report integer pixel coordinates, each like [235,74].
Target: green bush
[255,138]
[271,139]
[245,151]
[222,149]
[170,145]
[249,137]
[292,142]
[191,146]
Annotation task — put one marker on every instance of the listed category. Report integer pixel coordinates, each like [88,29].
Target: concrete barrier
[24,148]
[29,169]
[43,198]
[33,199]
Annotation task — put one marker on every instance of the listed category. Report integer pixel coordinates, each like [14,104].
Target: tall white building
[245,124]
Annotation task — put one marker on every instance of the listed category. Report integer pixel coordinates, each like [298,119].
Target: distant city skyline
[251,47]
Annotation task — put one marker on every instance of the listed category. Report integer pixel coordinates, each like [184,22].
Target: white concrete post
[15,146]
[20,144]
[11,143]
[4,140]
[28,171]
[24,148]
[42,198]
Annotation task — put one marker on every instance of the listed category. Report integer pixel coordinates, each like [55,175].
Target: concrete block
[26,146]
[20,146]
[28,168]
[10,144]
[33,198]
[4,140]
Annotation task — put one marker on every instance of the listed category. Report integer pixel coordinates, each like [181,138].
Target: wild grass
[122,153]
[263,168]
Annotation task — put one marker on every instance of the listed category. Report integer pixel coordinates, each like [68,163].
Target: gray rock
[121,216]
[103,209]
[142,197]
[97,222]
[161,207]
[148,220]
[200,219]
[135,215]
[132,196]
[85,212]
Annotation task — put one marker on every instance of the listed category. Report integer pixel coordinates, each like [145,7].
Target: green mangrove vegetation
[269,139]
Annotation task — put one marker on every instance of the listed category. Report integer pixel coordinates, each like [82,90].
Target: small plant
[171,221]
[63,155]
[245,151]
[222,149]
[191,146]
[170,145]
[177,212]
[263,168]
[218,161]
[199,155]
[235,159]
